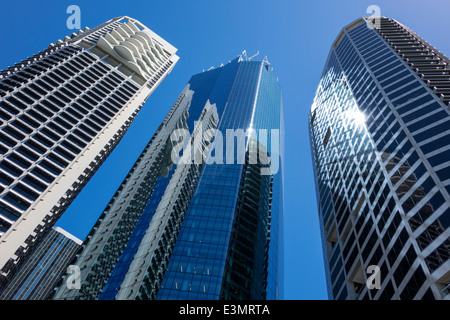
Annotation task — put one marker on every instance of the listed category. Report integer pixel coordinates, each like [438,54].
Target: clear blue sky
[295,35]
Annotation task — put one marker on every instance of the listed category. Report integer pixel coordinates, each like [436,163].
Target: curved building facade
[380,139]
[63,111]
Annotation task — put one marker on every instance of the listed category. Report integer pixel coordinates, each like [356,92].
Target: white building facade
[63,111]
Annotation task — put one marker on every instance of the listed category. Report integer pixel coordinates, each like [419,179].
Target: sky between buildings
[296,37]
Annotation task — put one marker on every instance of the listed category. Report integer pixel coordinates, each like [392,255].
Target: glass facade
[38,277]
[208,230]
[380,140]
[201,254]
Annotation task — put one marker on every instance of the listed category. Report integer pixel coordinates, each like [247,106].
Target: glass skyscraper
[209,227]
[380,137]
[62,112]
[37,278]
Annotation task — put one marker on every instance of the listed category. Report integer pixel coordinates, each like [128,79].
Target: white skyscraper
[62,112]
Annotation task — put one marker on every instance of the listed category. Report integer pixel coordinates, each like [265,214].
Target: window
[8,107]
[41,174]
[413,285]
[25,192]
[16,201]
[435,144]
[327,137]
[39,137]
[76,141]
[440,158]
[50,167]
[10,168]
[434,131]
[57,159]
[20,161]
[27,153]
[17,103]
[14,132]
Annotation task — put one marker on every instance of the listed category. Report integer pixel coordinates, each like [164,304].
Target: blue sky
[295,35]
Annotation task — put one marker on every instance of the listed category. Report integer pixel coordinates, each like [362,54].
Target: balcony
[426,61]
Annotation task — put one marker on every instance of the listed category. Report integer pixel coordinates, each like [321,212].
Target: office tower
[207,227]
[37,278]
[379,129]
[63,111]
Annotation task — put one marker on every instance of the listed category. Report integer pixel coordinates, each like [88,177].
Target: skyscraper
[63,111]
[380,137]
[37,278]
[206,225]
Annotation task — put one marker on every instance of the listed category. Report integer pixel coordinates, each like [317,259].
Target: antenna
[257,53]
[244,53]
